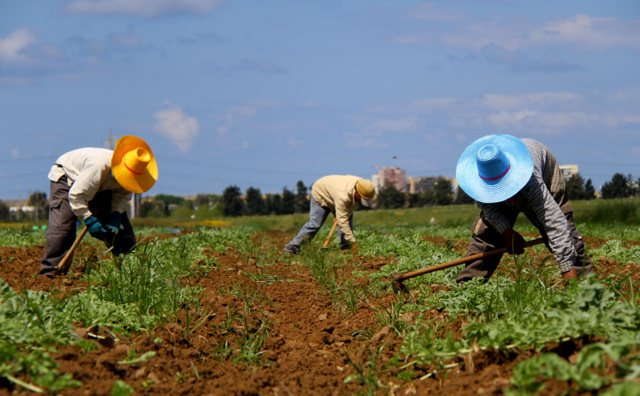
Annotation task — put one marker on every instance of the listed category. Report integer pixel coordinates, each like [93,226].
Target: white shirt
[88,172]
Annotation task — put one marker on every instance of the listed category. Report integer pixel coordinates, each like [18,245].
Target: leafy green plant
[588,372]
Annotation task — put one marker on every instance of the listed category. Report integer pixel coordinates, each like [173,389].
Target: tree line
[233,202]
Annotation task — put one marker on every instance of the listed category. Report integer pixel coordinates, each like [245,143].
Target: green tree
[618,187]
[273,203]
[255,202]
[232,203]
[169,202]
[413,200]
[152,208]
[442,192]
[5,213]
[288,204]
[574,187]
[208,200]
[40,205]
[589,190]
[302,199]
[390,198]
[462,197]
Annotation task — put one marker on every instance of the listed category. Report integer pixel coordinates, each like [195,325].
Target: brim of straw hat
[492,191]
[136,183]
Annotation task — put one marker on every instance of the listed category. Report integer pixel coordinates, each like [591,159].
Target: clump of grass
[609,211]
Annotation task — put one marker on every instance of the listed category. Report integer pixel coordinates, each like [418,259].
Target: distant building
[391,176]
[420,184]
[569,170]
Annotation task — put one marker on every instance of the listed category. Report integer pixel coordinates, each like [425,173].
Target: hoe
[327,240]
[65,263]
[398,286]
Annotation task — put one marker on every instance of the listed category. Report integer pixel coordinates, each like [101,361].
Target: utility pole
[110,141]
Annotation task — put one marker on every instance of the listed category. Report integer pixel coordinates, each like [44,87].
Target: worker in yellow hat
[95,185]
[335,194]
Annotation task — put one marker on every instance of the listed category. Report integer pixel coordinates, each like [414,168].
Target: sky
[255,93]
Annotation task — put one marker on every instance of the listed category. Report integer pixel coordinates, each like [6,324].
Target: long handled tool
[65,263]
[327,240]
[398,286]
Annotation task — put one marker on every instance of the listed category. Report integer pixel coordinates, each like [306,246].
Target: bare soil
[311,348]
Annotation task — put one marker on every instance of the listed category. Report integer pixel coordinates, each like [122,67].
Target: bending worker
[95,185]
[335,194]
[507,176]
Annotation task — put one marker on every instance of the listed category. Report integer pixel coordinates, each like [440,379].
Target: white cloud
[12,46]
[538,121]
[232,115]
[143,8]
[395,125]
[528,100]
[584,31]
[579,31]
[173,123]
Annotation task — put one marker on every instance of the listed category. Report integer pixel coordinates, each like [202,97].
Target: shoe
[292,249]
[49,273]
[583,270]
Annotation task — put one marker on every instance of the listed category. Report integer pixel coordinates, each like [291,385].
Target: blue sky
[262,93]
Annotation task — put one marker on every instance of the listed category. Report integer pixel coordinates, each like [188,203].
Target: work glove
[115,220]
[514,242]
[98,230]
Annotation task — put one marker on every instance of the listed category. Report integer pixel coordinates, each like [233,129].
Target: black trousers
[61,231]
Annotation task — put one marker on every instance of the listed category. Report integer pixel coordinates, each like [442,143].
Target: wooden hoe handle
[331,231]
[463,260]
[62,265]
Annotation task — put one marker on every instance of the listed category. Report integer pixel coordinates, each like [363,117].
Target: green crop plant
[588,373]
[616,250]
[589,309]
[243,330]
[121,388]
[90,309]
[30,326]
[150,277]
[391,316]
[367,372]
[21,237]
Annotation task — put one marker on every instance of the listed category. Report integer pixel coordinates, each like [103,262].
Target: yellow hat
[365,189]
[133,164]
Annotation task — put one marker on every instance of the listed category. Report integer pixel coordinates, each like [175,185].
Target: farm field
[217,308]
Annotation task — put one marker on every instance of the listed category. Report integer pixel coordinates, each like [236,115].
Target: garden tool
[398,286]
[325,244]
[65,263]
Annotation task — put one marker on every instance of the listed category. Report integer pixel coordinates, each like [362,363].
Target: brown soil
[311,348]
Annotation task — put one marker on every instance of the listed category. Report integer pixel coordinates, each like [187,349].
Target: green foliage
[30,325]
[625,211]
[21,237]
[587,309]
[149,278]
[588,372]
[615,249]
[121,388]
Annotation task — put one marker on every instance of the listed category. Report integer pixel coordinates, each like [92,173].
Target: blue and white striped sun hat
[494,168]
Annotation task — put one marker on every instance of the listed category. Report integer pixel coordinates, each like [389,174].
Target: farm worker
[507,176]
[95,185]
[335,194]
